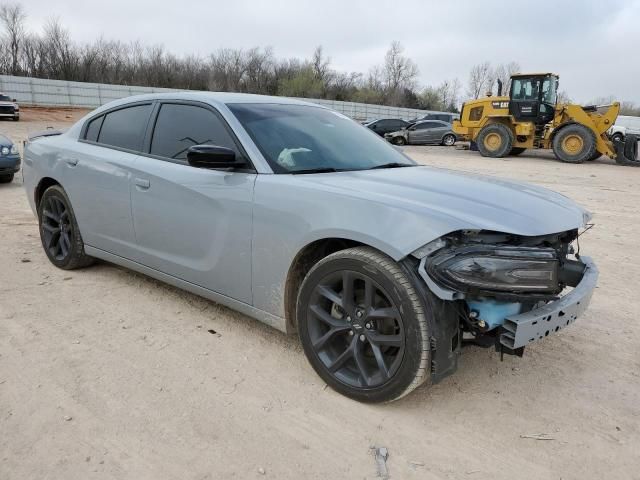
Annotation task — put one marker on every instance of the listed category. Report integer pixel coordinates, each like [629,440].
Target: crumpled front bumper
[524,328]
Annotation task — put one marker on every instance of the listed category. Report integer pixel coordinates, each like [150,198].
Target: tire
[398,141]
[596,155]
[16,119]
[495,140]
[448,140]
[617,137]
[574,144]
[66,250]
[630,158]
[6,178]
[375,353]
[516,151]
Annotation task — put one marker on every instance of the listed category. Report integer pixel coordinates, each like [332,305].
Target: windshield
[5,98]
[296,138]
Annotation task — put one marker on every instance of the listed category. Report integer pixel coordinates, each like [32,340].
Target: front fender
[284,225]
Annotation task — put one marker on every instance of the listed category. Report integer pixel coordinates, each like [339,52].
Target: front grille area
[7,109]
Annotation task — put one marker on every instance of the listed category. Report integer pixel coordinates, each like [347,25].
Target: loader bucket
[627,151]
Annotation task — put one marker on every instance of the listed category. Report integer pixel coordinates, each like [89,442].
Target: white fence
[61,93]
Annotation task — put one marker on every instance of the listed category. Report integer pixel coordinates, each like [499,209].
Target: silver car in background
[301,218]
[424,132]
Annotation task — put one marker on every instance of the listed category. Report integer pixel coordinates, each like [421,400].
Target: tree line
[53,54]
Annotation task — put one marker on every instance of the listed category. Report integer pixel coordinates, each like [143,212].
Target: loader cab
[533,97]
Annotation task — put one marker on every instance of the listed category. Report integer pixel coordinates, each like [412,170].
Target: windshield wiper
[392,165]
[316,170]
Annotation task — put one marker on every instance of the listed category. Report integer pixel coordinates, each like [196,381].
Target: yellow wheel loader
[530,117]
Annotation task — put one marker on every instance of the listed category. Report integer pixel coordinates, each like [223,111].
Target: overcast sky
[592,44]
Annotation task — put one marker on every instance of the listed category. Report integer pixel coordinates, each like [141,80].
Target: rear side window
[94,129]
[179,127]
[125,128]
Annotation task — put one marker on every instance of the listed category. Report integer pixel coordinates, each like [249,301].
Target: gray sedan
[423,133]
[299,217]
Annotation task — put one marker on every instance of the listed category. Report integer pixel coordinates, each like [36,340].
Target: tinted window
[125,128]
[178,127]
[422,126]
[94,129]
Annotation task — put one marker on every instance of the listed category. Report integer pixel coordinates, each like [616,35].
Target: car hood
[456,200]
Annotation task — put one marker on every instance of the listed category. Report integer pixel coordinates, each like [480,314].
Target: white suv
[624,125]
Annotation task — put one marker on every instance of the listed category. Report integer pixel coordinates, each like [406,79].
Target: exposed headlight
[497,268]
[14,149]
[5,150]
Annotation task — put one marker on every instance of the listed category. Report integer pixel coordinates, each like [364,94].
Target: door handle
[142,183]
[72,162]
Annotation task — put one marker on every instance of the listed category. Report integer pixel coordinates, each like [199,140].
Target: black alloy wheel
[59,230]
[364,326]
[355,329]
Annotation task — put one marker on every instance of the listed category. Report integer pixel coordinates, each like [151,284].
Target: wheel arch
[305,259]
[43,184]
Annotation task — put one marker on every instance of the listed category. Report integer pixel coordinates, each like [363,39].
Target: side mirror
[212,156]
[14,100]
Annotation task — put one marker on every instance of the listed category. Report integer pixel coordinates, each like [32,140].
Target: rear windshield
[296,138]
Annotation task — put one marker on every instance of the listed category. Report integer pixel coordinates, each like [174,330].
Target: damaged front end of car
[508,290]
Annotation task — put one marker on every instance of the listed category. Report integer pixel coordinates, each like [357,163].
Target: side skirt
[260,315]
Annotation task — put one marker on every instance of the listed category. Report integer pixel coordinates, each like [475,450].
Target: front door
[193,223]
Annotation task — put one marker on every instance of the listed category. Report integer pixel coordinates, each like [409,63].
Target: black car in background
[386,125]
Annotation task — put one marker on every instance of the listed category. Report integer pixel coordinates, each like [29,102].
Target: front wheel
[516,151]
[448,140]
[59,231]
[398,141]
[574,143]
[363,326]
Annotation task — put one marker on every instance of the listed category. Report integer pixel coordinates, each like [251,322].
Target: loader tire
[495,140]
[630,158]
[516,151]
[574,144]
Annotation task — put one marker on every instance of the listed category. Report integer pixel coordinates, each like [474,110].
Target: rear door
[193,223]
[99,176]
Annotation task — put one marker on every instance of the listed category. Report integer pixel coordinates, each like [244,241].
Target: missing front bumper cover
[522,329]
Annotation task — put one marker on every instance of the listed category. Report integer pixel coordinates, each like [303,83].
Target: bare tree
[479,79]
[399,72]
[12,17]
[503,73]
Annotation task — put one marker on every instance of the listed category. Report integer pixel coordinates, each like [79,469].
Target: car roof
[217,97]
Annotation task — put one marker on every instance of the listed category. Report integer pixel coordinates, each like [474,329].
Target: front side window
[549,87]
[125,128]
[179,127]
[295,138]
[525,89]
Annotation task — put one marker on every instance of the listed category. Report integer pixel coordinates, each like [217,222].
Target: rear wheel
[516,151]
[448,140]
[363,326]
[617,137]
[6,178]
[574,144]
[59,231]
[495,140]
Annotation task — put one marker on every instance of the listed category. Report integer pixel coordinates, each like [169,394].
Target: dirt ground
[107,374]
